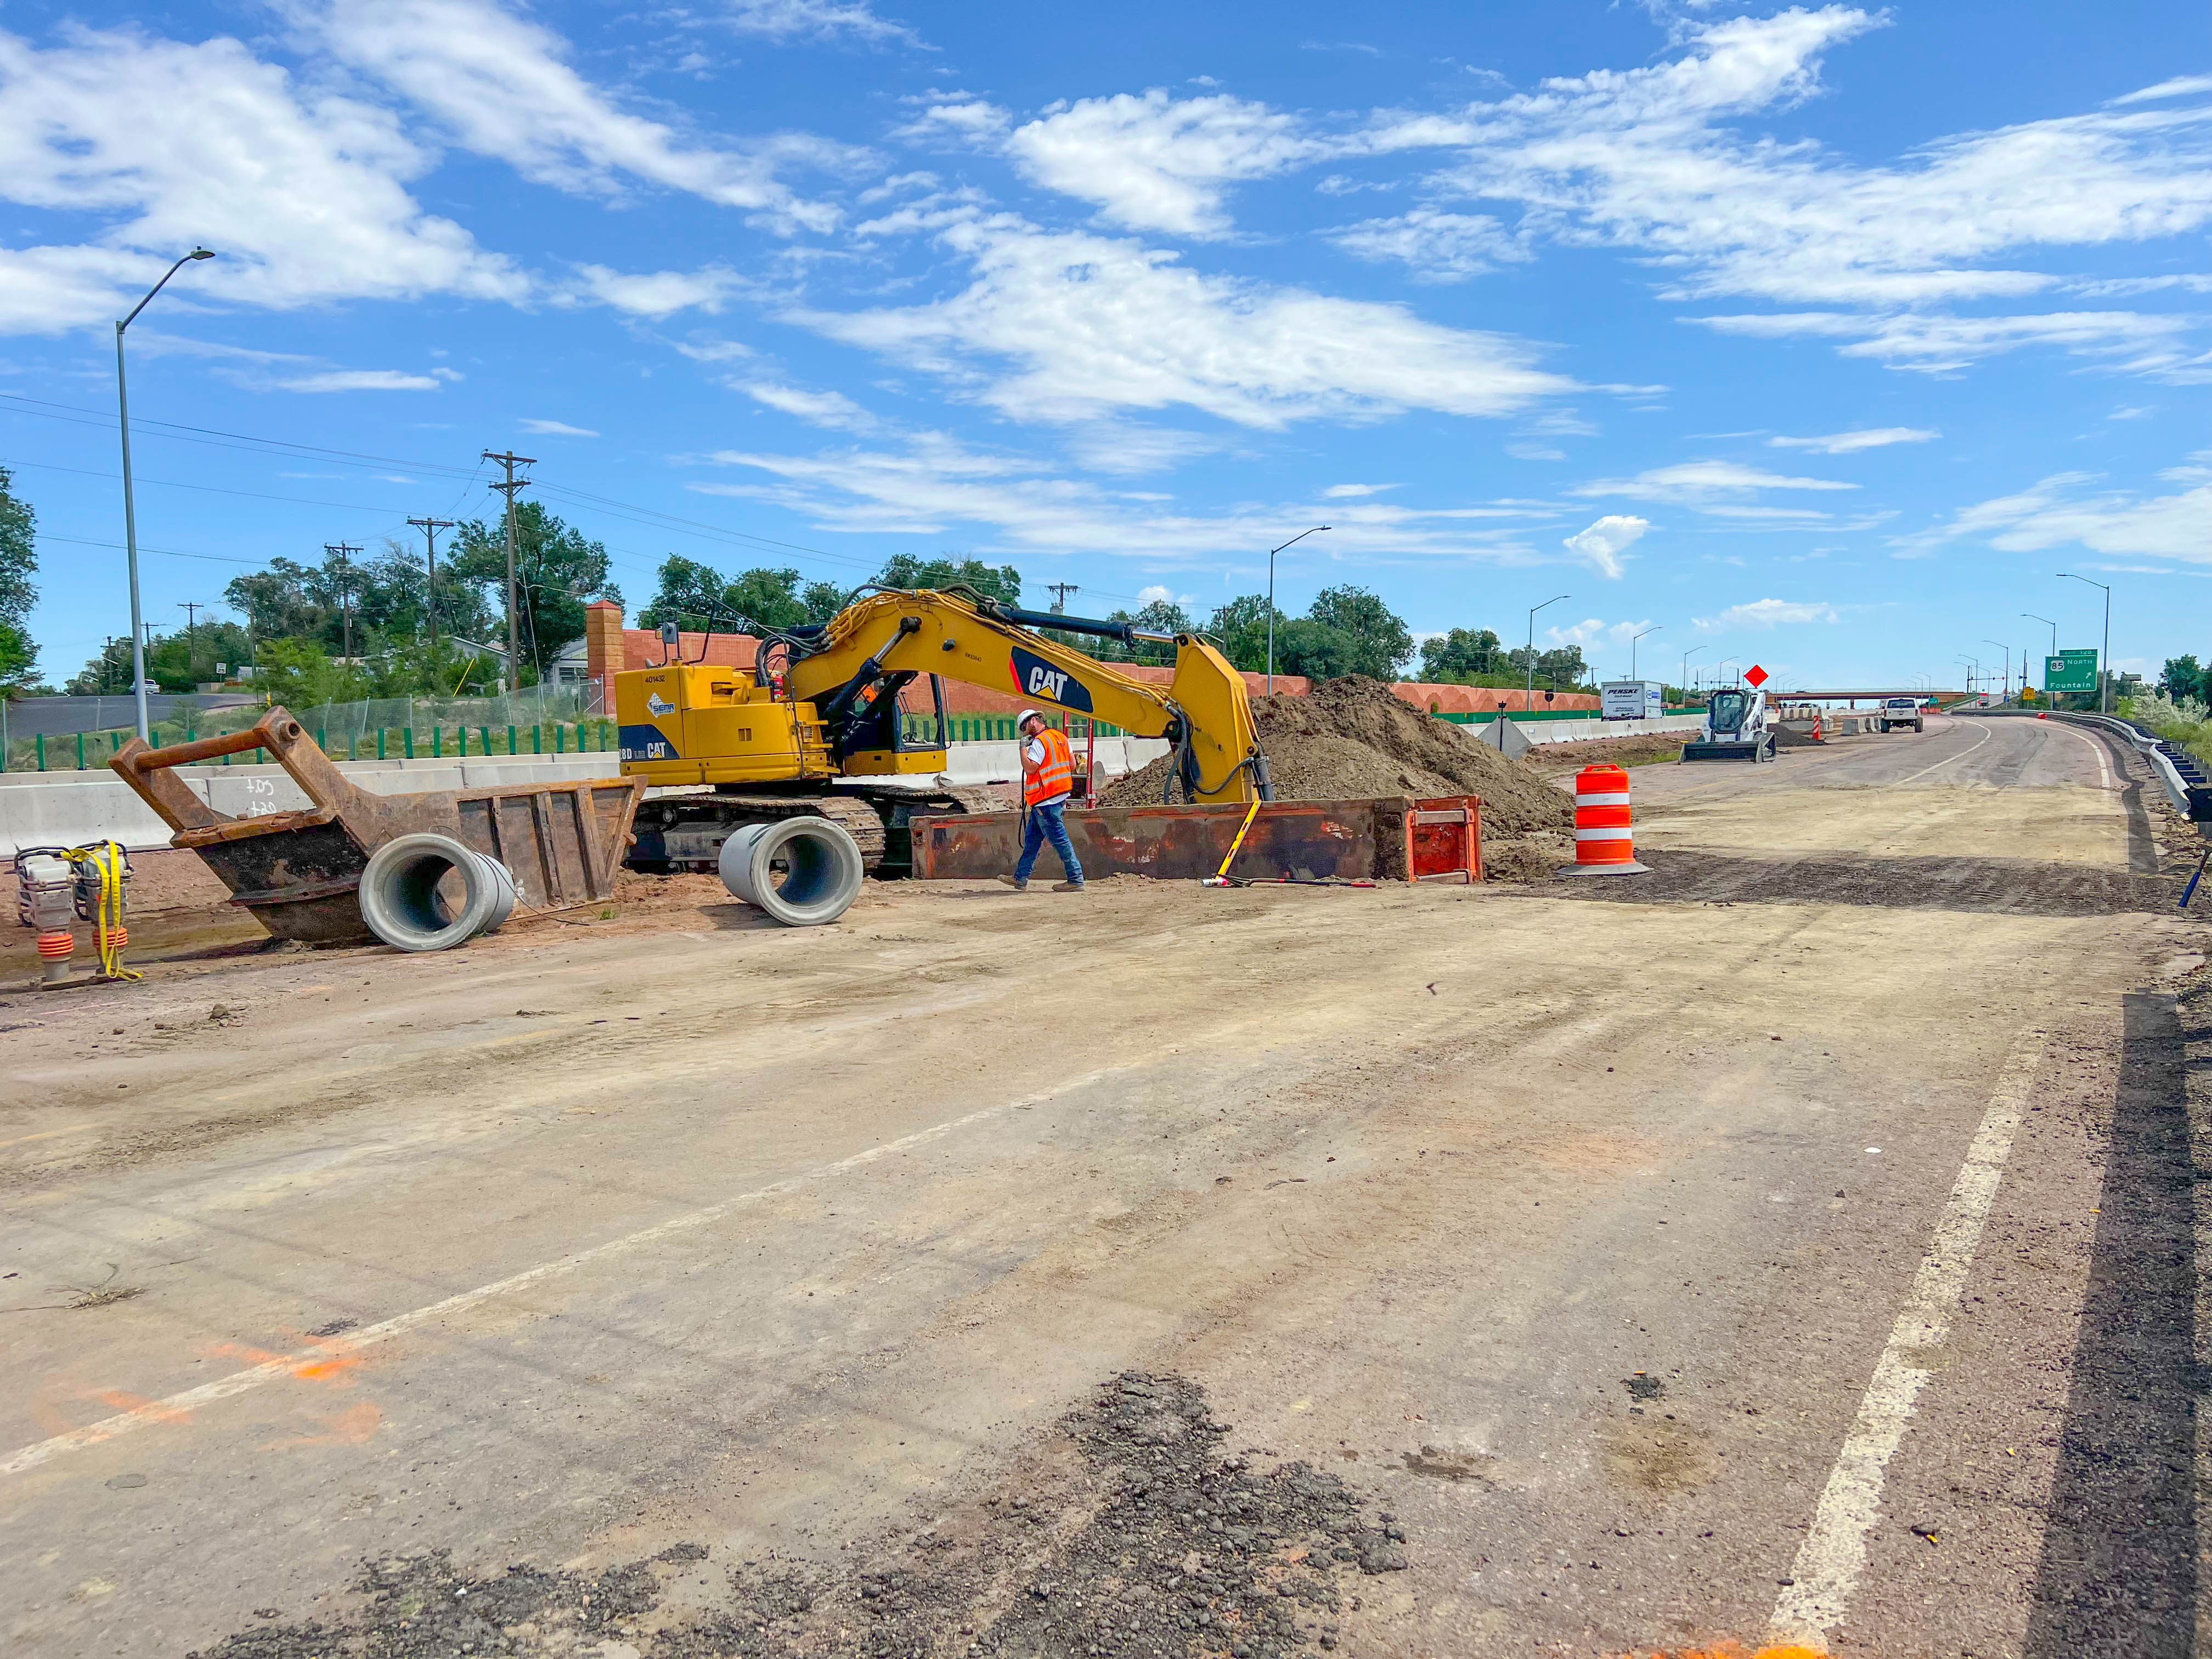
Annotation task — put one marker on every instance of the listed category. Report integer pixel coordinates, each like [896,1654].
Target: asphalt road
[1800,1245]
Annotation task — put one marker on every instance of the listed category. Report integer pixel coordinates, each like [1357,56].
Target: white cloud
[803,20]
[1593,630]
[1769,613]
[832,408]
[956,117]
[653,293]
[1341,492]
[161,145]
[500,85]
[1845,443]
[1699,484]
[934,486]
[1938,343]
[1154,162]
[557,428]
[1439,246]
[1073,325]
[363,379]
[1600,544]
[2060,512]
[1656,159]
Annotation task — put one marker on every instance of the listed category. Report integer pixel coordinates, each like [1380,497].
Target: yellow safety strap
[108,859]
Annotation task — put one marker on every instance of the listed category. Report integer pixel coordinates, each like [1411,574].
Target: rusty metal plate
[300,872]
[1302,840]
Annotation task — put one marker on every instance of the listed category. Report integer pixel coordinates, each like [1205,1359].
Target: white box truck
[1632,700]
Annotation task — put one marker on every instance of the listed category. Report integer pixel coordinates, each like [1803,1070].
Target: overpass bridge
[1852,697]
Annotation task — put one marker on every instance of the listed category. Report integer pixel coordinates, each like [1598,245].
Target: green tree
[1561,667]
[556,568]
[1239,630]
[19,664]
[2181,677]
[696,597]
[1381,643]
[906,570]
[19,554]
[383,597]
[1459,657]
[300,675]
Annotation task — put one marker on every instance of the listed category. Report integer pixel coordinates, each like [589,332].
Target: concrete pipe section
[429,892]
[803,871]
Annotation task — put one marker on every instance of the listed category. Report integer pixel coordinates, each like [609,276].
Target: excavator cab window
[1727,710]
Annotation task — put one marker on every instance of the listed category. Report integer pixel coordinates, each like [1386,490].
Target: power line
[652,518]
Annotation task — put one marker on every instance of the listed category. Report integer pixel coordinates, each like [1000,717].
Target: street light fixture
[2053,626]
[1272,551]
[129,513]
[2104,660]
[1656,628]
[1687,655]
[1528,698]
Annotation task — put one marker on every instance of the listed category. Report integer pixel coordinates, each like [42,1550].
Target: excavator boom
[1204,710]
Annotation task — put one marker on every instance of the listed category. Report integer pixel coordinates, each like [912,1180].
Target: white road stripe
[176,1405]
[1981,736]
[2104,765]
[1834,1551]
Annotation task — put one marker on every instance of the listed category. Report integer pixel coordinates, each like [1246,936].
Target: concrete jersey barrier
[74,809]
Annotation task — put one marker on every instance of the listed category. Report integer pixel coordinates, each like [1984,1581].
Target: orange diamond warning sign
[1755,676]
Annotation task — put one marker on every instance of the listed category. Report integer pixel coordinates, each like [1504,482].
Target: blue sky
[1818,336]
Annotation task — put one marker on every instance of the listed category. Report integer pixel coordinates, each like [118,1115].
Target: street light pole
[2104,660]
[130,511]
[1654,629]
[2007,649]
[1272,551]
[1687,655]
[1973,672]
[1528,697]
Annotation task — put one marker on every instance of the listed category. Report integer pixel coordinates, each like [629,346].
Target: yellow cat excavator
[822,724]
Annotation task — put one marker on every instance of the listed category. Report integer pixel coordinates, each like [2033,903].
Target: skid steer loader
[1736,728]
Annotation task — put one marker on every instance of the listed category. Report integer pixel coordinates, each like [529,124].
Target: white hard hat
[1026,716]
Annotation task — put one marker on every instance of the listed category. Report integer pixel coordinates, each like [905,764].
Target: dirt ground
[1224,1273]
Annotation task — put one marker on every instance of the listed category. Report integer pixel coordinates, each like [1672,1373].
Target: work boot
[1014,882]
[1068,887]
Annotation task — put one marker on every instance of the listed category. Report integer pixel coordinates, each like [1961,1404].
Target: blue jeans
[1044,821]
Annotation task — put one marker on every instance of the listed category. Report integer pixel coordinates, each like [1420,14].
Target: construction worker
[1048,780]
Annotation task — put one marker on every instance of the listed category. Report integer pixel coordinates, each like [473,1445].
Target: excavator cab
[899,730]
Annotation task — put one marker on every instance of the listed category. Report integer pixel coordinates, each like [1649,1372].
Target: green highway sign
[2070,671]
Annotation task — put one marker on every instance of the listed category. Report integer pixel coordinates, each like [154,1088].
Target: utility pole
[2105,659]
[341,552]
[510,460]
[191,608]
[430,527]
[1059,590]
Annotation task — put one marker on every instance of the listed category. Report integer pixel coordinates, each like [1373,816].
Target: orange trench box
[1393,838]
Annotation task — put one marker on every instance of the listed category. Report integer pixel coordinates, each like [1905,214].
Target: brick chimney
[603,651]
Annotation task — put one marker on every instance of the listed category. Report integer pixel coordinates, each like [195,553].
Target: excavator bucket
[299,871]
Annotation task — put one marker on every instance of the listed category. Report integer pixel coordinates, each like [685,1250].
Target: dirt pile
[1164,1544]
[1354,737]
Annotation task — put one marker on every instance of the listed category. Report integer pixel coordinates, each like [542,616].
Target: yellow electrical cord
[107,860]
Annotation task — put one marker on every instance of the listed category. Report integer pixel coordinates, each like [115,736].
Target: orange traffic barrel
[1605,844]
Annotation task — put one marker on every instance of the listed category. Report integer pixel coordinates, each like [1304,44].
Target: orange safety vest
[1053,776]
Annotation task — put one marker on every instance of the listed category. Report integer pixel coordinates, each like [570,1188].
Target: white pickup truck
[1901,711]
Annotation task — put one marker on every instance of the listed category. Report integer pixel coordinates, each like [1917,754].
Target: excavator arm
[1204,711]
